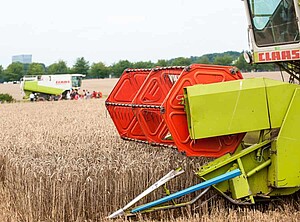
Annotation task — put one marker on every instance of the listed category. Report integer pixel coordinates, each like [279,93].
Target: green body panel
[236,106]
[226,108]
[286,150]
[279,96]
[269,168]
[242,158]
[255,57]
[32,86]
[246,188]
[240,186]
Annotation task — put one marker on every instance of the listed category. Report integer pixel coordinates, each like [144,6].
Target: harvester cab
[206,110]
[274,34]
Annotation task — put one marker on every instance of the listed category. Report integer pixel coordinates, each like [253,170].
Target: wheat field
[64,161]
[103,85]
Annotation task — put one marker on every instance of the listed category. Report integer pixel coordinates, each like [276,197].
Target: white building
[22,59]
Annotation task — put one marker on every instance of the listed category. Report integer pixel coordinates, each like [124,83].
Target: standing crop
[64,161]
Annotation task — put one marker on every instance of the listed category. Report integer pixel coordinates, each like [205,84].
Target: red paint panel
[152,93]
[148,105]
[119,101]
[175,116]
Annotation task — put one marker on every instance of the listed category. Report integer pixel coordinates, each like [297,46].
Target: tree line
[15,71]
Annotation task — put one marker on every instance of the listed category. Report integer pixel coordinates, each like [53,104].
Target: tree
[26,68]
[203,60]
[141,65]
[162,63]
[224,60]
[99,70]
[81,66]
[1,74]
[211,57]
[120,66]
[14,72]
[181,61]
[36,69]
[59,67]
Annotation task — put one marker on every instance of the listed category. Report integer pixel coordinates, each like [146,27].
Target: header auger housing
[146,105]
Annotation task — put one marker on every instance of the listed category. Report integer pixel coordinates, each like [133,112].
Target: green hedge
[6,98]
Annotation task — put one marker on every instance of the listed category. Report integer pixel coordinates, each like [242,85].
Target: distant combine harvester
[48,87]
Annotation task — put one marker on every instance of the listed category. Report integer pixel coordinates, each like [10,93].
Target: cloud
[125,19]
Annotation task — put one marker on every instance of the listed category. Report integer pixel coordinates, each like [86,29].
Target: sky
[113,30]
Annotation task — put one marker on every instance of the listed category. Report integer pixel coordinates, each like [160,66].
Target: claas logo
[62,81]
[279,55]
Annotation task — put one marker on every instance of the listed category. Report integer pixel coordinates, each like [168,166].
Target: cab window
[274,22]
[76,81]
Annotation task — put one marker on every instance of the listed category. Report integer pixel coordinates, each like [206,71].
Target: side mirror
[248,57]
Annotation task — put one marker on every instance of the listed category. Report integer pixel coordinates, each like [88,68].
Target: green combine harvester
[207,111]
[50,86]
